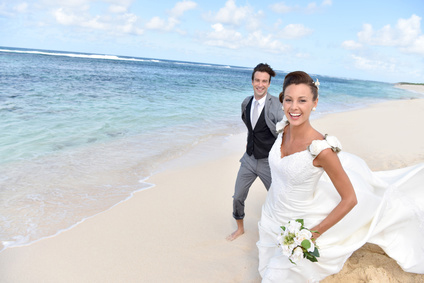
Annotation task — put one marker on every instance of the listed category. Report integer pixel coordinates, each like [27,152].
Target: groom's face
[261,82]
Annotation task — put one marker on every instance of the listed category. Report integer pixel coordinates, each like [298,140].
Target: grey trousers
[250,169]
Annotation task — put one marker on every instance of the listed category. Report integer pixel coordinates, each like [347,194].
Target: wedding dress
[389,213]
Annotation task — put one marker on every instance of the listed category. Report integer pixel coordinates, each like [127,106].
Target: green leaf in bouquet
[310,257]
[315,252]
[306,244]
[313,259]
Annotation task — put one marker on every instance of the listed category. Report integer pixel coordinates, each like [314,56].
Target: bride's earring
[313,109]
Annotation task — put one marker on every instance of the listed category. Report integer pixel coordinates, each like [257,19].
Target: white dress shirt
[260,106]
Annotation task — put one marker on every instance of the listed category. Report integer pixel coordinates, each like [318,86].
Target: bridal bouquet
[296,242]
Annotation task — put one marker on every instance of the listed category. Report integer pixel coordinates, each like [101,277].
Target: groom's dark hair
[263,68]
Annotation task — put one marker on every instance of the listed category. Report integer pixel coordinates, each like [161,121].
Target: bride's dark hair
[299,77]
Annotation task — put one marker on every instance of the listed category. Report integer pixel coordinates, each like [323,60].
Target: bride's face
[298,103]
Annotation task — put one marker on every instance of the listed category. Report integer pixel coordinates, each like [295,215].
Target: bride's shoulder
[319,145]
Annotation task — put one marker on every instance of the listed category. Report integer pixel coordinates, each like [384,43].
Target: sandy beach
[175,231]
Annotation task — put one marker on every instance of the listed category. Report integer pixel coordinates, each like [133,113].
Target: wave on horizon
[109,57]
[77,55]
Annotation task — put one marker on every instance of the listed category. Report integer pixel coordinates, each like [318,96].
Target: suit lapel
[267,103]
[248,121]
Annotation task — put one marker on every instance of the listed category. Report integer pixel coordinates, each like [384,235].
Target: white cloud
[3,9]
[293,31]
[126,23]
[281,8]
[85,4]
[70,19]
[94,23]
[12,9]
[311,7]
[351,45]
[230,38]
[363,63]
[117,20]
[327,3]
[406,35]
[417,47]
[303,55]
[232,15]
[125,3]
[265,42]
[117,9]
[65,18]
[157,23]
[21,8]
[169,24]
[181,7]
[255,21]
[238,27]
[80,5]
[222,37]
[391,66]
[111,16]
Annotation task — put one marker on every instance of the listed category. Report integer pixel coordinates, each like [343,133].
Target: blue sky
[372,40]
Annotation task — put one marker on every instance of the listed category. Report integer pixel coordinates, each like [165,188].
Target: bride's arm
[330,162]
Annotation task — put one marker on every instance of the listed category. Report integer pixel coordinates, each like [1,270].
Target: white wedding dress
[389,213]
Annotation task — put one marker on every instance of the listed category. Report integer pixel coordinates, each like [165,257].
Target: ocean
[81,132]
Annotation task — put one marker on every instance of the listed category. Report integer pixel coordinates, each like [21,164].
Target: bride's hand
[315,234]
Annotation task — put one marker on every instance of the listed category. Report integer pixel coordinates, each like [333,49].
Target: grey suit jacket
[273,111]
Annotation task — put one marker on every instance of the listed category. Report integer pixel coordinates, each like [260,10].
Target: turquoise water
[82,132]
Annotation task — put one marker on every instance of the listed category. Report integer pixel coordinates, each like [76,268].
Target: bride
[341,201]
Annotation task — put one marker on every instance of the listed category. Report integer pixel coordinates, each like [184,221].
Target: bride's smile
[295,116]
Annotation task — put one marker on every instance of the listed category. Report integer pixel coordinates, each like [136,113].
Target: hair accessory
[317,84]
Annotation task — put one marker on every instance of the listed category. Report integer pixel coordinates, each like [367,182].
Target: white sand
[175,232]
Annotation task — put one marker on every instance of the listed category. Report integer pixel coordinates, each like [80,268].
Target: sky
[362,39]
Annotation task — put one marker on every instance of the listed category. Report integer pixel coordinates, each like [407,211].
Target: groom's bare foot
[235,235]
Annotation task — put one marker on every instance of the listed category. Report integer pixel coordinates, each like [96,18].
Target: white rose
[287,250]
[314,147]
[279,127]
[297,254]
[293,226]
[336,146]
[303,234]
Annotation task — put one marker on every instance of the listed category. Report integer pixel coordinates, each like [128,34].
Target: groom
[260,113]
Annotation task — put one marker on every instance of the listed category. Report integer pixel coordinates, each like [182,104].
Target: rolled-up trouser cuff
[237,217]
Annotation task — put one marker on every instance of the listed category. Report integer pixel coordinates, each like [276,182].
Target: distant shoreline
[404,83]
[416,87]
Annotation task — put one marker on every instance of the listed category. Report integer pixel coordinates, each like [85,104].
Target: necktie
[255,114]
